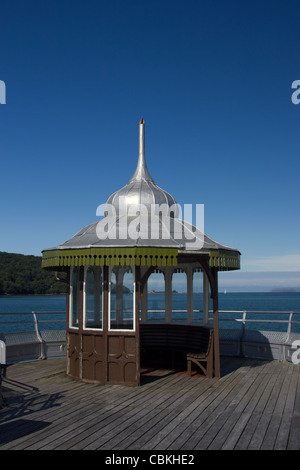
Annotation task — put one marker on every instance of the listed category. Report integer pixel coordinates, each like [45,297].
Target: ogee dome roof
[141,189]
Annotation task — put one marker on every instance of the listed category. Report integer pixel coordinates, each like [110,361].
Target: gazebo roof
[132,232]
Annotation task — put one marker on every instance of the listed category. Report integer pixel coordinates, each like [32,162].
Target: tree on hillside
[23,275]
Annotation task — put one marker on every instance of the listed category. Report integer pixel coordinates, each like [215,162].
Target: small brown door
[122,337]
[110,355]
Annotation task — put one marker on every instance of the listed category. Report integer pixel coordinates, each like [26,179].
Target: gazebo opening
[121,303]
[153,299]
[93,302]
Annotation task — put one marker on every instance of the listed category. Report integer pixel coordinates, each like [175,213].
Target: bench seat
[195,342]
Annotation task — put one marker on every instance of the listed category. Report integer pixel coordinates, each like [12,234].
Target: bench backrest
[189,338]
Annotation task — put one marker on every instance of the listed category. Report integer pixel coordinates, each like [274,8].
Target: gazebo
[109,264]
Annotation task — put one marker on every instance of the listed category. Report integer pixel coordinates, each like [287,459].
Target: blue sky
[213,83]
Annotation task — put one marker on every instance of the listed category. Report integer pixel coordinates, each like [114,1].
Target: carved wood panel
[122,364]
[93,358]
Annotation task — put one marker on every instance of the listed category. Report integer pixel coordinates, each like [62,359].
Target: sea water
[233,302]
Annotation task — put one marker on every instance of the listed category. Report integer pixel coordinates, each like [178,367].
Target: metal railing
[289,321]
[34,320]
[240,337]
[243,317]
[25,338]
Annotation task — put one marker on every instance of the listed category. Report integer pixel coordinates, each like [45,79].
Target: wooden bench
[194,341]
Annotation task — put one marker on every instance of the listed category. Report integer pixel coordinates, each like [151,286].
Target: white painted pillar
[205,298]
[190,303]
[144,304]
[168,295]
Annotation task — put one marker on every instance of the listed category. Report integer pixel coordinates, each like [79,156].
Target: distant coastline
[162,292]
[286,289]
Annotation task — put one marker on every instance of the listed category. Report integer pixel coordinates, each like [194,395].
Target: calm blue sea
[269,301]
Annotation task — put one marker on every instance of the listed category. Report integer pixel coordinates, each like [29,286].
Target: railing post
[288,335]
[289,329]
[205,299]
[243,333]
[40,339]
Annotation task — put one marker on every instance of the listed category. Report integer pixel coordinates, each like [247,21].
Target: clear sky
[213,83]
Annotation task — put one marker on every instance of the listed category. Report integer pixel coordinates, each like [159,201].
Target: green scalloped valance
[59,259]
[224,260]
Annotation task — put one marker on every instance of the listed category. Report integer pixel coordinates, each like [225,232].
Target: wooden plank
[228,410]
[160,421]
[267,441]
[85,424]
[294,434]
[246,424]
[157,400]
[254,405]
[47,407]
[212,408]
[286,421]
[234,420]
[86,416]
[259,419]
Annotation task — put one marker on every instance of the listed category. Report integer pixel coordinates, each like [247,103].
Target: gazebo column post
[144,304]
[138,295]
[168,294]
[80,317]
[68,317]
[212,275]
[106,313]
[205,299]
[189,276]
[216,323]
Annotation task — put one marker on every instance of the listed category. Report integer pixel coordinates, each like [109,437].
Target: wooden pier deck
[255,405]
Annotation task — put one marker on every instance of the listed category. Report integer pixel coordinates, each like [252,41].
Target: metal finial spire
[141,171]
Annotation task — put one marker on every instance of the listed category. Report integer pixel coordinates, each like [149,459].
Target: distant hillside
[23,275]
